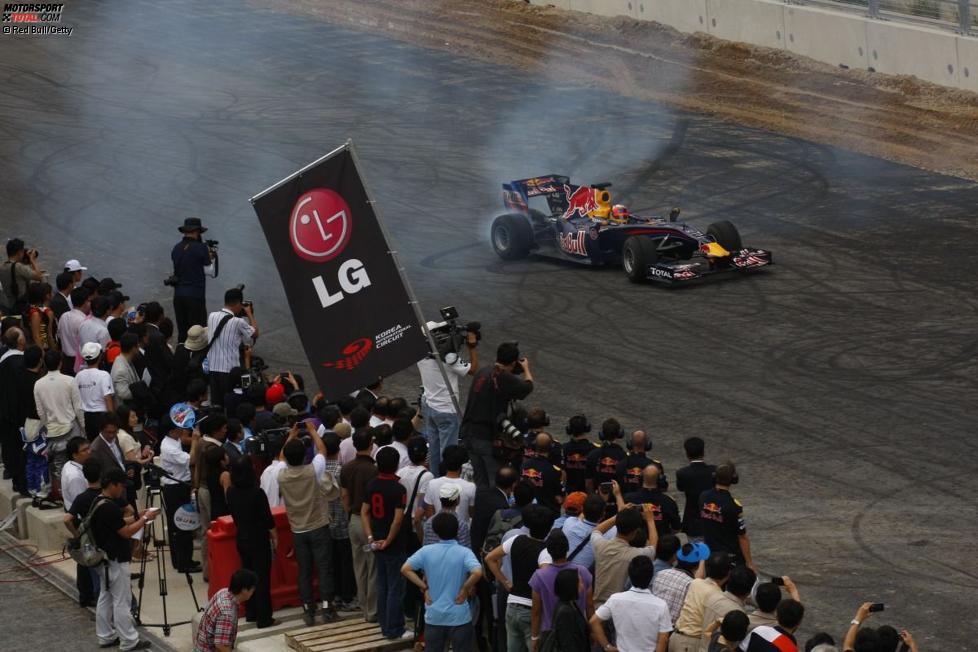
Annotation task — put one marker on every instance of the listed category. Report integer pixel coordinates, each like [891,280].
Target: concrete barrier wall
[749,21]
[833,37]
[827,36]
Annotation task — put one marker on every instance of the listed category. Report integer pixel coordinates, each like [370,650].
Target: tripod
[155,537]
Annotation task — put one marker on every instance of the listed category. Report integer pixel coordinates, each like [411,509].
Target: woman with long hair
[255,538]
[570,630]
[39,317]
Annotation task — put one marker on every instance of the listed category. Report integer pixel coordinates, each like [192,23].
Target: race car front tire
[511,236]
[638,254]
[726,235]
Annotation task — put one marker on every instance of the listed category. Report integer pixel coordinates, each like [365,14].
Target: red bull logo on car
[573,243]
[579,202]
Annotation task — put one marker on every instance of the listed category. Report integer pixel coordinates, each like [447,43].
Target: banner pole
[413,300]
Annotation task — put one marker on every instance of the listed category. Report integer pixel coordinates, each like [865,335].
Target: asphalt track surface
[842,380]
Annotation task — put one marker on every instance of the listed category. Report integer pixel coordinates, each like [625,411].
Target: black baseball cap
[107,285]
[116,299]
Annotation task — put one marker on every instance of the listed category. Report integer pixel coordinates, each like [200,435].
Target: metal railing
[958,15]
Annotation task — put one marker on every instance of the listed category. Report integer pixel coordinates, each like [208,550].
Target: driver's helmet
[619,213]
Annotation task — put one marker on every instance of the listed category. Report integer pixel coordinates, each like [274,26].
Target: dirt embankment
[893,117]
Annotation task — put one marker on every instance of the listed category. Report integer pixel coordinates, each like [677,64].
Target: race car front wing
[744,260]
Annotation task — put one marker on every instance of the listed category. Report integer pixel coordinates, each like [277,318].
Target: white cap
[435,325]
[449,491]
[91,351]
[74,266]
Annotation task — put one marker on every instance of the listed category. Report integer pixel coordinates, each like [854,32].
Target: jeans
[390,593]
[484,462]
[364,569]
[437,637]
[204,508]
[87,582]
[37,473]
[518,629]
[113,618]
[314,550]
[441,431]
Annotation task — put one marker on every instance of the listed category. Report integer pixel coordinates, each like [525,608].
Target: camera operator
[228,329]
[175,460]
[191,260]
[493,388]
[17,273]
[441,419]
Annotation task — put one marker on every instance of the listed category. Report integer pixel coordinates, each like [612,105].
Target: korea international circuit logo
[353,354]
[320,225]
[33,19]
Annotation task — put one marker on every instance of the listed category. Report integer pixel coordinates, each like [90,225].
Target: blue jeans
[518,630]
[437,637]
[314,553]
[441,431]
[390,593]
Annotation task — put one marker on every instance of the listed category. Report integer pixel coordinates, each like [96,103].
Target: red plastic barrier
[223,560]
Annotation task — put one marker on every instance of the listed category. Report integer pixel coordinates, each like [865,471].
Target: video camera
[450,336]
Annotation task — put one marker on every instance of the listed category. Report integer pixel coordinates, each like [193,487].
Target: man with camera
[492,391]
[228,329]
[17,273]
[439,410]
[192,258]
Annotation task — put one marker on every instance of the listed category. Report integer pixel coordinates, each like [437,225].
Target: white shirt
[407,477]
[73,482]
[93,386]
[68,330]
[402,453]
[58,402]
[94,329]
[639,618]
[465,500]
[174,460]
[224,354]
[269,482]
[436,395]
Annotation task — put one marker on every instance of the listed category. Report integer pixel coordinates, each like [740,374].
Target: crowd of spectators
[475,524]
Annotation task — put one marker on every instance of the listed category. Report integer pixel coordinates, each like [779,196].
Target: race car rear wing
[536,186]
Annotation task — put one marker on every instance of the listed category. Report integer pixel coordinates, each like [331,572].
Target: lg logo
[319,230]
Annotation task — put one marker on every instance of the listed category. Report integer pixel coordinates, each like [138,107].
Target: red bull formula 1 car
[551,217]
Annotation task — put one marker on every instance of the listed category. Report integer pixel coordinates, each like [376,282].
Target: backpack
[83,548]
[497,528]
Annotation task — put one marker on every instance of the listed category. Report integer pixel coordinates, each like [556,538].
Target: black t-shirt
[524,554]
[575,462]
[602,463]
[489,395]
[545,478]
[629,471]
[693,480]
[83,502]
[556,455]
[105,526]
[722,517]
[664,508]
[384,495]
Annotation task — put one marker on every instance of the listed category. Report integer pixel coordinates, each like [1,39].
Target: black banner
[348,300]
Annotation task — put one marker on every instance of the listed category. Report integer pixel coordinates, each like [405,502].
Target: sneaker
[309,616]
[140,645]
[109,644]
[351,605]
[328,614]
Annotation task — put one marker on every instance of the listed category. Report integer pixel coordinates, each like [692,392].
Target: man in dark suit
[12,413]
[693,479]
[60,303]
[488,502]
[159,358]
[105,448]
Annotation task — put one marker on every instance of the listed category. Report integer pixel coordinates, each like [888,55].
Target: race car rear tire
[511,236]
[638,254]
[726,235]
